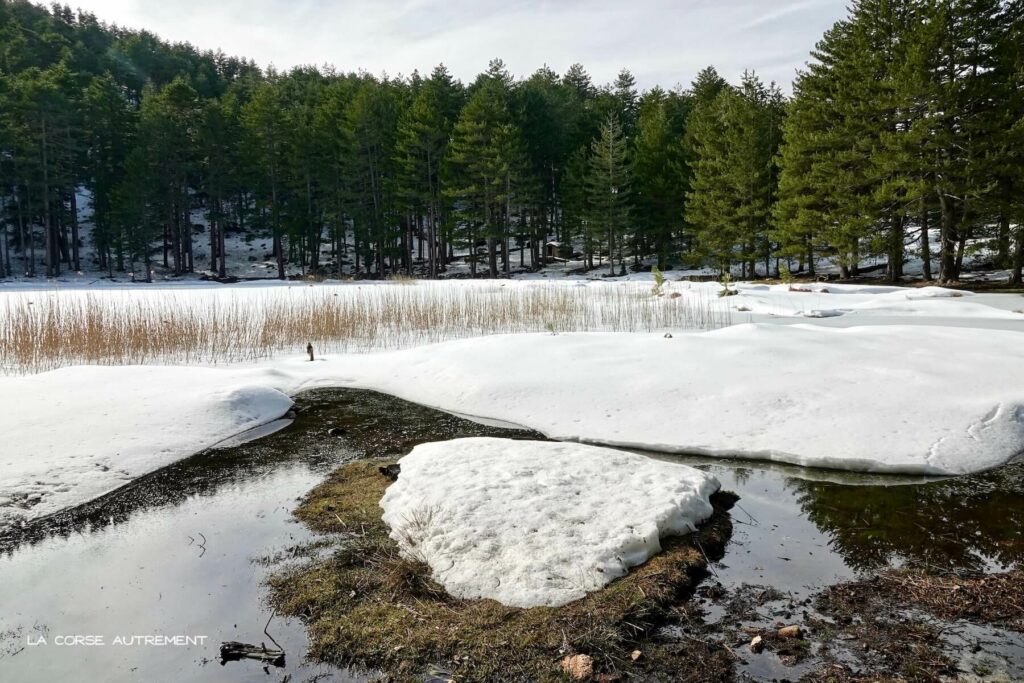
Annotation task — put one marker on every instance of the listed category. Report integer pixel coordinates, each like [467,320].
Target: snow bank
[883,399]
[73,435]
[532,523]
[859,303]
[898,399]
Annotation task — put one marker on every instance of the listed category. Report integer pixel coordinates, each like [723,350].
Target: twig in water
[748,514]
[272,614]
[706,558]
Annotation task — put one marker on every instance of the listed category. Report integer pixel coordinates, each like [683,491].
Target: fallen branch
[232,651]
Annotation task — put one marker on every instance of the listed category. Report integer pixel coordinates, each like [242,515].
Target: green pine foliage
[608,192]
[903,138]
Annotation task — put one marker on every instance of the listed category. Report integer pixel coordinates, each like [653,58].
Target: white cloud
[664,42]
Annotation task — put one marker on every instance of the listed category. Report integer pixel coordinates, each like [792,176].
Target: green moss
[369,606]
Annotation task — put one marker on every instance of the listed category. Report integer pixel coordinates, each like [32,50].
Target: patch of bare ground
[989,598]
[367,605]
[887,627]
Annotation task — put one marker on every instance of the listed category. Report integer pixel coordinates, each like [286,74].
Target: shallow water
[179,552]
[800,529]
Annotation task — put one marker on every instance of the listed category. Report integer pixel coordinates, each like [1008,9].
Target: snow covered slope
[532,523]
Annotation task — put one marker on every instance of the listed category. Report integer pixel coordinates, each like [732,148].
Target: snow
[72,436]
[873,399]
[871,388]
[531,523]
[860,303]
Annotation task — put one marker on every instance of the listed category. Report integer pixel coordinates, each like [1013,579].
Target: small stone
[793,631]
[756,645]
[579,667]
[668,335]
[635,655]
[336,431]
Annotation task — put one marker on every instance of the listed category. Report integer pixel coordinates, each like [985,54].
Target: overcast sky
[663,42]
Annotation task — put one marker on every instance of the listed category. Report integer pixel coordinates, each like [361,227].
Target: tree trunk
[222,251]
[278,251]
[76,260]
[894,267]
[926,249]
[1018,257]
[62,235]
[213,239]
[947,240]
[1003,239]
[960,247]
[48,223]
[26,269]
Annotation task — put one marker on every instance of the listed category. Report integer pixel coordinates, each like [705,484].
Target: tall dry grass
[207,327]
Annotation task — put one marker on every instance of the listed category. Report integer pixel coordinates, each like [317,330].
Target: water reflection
[972,523]
[799,528]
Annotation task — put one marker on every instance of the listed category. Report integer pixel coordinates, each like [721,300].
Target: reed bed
[46,330]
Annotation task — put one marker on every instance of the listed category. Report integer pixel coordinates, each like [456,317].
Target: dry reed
[45,330]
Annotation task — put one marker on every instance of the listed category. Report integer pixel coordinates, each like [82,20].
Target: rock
[336,431]
[756,645]
[390,471]
[668,335]
[793,631]
[579,667]
[635,655]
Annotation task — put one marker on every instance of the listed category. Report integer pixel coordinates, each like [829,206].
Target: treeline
[910,117]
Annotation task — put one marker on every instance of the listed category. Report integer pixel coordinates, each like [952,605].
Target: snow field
[883,399]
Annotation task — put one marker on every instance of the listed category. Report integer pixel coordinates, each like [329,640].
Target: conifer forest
[907,118]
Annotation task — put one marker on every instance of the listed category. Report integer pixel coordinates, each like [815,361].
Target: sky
[663,42]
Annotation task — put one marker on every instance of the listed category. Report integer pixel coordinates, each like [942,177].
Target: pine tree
[484,151]
[546,118]
[660,178]
[624,90]
[423,134]
[264,122]
[109,123]
[168,125]
[735,139]
[1009,168]
[608,189]
[371,129]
